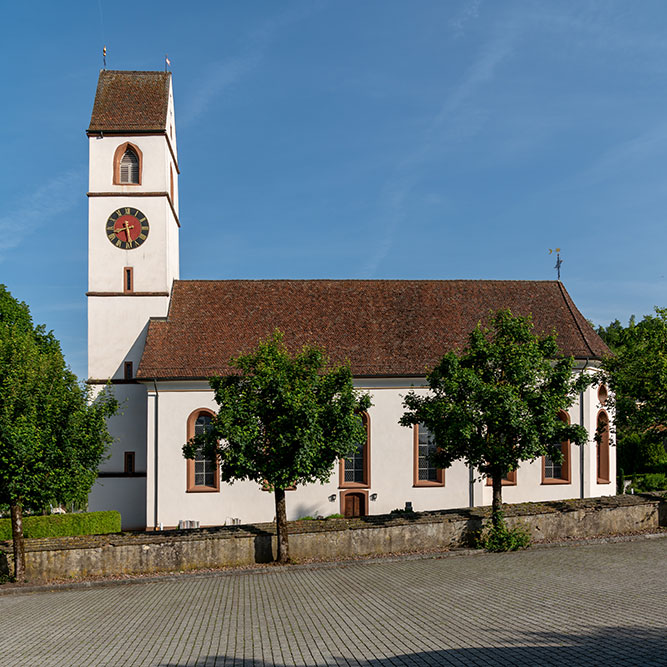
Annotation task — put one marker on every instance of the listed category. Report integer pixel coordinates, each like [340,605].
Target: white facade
[391,479]
[145,477]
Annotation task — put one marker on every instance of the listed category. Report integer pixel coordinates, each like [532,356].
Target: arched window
[202,471]
[127,165]
[558,473]
[425,473]
[355,469]
[602,448]
[603,395]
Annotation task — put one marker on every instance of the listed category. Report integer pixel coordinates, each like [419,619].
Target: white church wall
[152,270]
[172,251]
[392,454]
[593,408]
[127,428]
[155,169]
[117,331]
[391,469]
[126,495]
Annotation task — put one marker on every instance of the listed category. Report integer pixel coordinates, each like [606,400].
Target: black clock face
[127,228]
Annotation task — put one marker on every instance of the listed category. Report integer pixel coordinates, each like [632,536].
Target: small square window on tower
[129,463]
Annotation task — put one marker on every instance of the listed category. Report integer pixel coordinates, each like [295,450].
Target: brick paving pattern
[596,604]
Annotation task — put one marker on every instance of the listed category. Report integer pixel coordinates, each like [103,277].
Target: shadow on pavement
[622,645]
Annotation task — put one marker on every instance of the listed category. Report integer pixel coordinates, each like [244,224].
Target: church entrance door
[354,505]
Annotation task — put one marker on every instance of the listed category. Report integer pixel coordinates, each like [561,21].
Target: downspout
[471,488]
[581,447]
[155,503]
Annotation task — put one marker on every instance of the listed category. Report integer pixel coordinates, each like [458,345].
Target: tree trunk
[281,526]
[497,505]
[19,543]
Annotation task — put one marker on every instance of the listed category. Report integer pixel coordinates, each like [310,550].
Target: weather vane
[104,56]
[559,261]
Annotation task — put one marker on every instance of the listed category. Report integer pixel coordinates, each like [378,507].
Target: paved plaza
[593,604]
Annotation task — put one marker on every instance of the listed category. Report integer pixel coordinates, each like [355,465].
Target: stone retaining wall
[140,553]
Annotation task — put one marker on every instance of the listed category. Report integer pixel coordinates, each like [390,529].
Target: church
[157,339]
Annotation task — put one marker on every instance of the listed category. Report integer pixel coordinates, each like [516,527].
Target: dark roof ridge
[567,300]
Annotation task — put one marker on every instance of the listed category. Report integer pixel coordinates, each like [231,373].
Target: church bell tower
[133,255]
[133,216]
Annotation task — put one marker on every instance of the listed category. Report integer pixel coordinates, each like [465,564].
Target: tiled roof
[384,327]
[127,101]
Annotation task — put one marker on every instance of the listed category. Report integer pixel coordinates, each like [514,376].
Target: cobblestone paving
[597,604]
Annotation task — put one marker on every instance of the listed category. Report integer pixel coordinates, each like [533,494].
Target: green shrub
[64,525]
[652,482]
[335,516]
[503,538]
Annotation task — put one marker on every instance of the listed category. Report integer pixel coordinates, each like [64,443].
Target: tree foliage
[636,373]
[497,402]
[283,420]
[52,439]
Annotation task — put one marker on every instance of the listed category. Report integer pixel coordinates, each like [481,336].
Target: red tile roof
[384,327]
[130,101]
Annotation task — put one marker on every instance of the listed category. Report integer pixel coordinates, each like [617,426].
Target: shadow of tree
[611,645]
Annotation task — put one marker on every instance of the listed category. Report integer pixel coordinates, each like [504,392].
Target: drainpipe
[155,435]
[471,488]
[581,447]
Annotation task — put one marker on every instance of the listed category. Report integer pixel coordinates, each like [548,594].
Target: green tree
[283,421]
[52,438]
[636,373]
[496,403]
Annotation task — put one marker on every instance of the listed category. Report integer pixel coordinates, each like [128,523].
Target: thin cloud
[470,12]
[220,78]
[226,73]
[57,196]
[627,156]
[448,125]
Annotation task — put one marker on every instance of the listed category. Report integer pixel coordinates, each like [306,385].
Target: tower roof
[383,327]
[130,102]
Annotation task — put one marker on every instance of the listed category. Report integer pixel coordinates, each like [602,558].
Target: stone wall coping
[334,524]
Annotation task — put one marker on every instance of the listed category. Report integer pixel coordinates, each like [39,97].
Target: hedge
[64,525]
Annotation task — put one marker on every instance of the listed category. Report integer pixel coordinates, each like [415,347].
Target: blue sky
[345,139]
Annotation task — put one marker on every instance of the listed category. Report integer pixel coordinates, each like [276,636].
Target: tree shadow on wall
[622,645]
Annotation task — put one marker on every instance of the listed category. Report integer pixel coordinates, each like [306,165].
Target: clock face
[127,228]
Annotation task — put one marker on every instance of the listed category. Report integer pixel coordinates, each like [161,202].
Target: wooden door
[354,505]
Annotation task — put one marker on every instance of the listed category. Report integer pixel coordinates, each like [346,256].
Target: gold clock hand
[127,228]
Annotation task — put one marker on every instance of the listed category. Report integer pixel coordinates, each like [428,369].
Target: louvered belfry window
[129,167]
